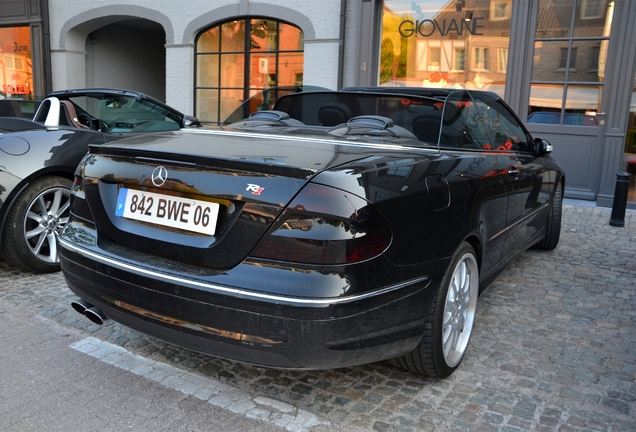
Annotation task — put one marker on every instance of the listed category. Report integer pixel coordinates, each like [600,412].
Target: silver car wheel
[47,213]
[460,309]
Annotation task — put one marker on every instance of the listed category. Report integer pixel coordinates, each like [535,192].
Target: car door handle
[513,171]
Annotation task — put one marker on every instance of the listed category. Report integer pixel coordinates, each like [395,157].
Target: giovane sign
[428,27]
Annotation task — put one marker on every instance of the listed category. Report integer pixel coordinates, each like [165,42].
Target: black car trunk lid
[152,201]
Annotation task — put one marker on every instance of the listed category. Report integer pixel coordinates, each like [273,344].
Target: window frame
[275,56]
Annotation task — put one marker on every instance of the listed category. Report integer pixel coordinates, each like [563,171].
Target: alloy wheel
[46,215]
[460,309]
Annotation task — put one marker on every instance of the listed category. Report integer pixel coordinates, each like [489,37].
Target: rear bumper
[251,326]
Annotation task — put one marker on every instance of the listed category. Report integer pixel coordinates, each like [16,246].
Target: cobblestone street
[554,348]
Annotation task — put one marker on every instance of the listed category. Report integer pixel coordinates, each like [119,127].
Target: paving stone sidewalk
[554,348]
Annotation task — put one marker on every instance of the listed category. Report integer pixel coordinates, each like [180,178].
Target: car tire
[29,234]
[449,320]
[553,227]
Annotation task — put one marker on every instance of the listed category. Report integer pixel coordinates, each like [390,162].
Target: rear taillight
[78,181]
[79,206]
[324,225]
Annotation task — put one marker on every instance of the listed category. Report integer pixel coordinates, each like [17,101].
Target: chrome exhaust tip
[81,306]
[95,315]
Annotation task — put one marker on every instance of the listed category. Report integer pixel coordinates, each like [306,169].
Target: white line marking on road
[215,392]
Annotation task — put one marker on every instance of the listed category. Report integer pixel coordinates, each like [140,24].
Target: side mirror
[190,121]
[542,147]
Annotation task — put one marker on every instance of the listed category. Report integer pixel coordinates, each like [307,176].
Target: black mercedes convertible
[339,228]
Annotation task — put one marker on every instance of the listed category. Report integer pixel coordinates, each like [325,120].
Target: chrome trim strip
[239,336]
[234,291]
[519,221]
[305,138]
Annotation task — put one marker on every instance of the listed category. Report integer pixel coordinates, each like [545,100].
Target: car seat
[334,114]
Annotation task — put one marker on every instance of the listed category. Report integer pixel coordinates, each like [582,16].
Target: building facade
[567,67]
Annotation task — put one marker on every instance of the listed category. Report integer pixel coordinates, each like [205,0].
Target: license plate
[171,211]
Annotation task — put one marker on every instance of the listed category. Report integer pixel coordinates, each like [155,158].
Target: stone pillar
[180,77]
[68,64]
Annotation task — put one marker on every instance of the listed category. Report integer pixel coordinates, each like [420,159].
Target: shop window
[16,64]
[431,43]
[561,93]
[238,59]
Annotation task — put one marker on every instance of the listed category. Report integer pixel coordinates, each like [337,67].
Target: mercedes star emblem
[159,176]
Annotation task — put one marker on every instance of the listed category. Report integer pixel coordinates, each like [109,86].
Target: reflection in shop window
[459,59]
[13,63]
[502,60]
[16,64]
[434,58]
[561,93]
[480,55]
[429,56]
[430,43]
[595,53]
[500,10]
[563,59]
[592,9]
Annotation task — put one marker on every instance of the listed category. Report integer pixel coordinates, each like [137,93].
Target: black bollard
[619,205]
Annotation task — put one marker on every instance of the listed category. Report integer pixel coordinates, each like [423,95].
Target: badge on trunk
[256,189]
[159,176]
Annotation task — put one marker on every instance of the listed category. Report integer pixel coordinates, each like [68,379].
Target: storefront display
[24,74]
[16,64]
[446,44]
[549,59]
